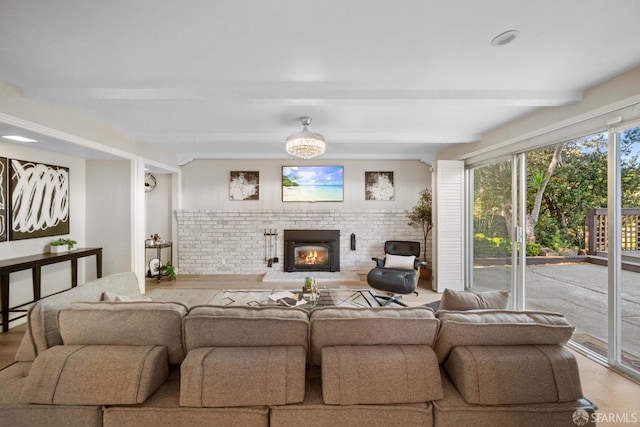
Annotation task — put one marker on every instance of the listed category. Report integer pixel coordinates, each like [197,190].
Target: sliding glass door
[626,270]
[559,227]
[566,183]
[491,226]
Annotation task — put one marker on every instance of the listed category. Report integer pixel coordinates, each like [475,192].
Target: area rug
[320,276]
[257,298]
[328,297]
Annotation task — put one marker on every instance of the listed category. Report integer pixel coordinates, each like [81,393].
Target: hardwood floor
[615,395]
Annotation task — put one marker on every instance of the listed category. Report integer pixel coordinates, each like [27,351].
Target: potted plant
[61,245]
[421,217]
[168,270]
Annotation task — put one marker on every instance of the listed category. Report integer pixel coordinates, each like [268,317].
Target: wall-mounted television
[312,183]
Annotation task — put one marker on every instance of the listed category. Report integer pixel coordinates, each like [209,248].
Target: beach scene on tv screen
[312,183]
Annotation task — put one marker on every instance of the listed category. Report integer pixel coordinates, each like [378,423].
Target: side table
[159,247]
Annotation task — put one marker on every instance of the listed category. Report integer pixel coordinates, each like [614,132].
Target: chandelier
[305,144]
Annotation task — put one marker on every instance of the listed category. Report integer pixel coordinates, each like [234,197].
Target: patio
[579,290]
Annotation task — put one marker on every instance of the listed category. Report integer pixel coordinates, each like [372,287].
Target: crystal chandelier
[305,144]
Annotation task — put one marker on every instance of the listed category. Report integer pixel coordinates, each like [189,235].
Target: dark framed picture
[39,195]
[379,186]
[244,185]
[4,198]
[312,183]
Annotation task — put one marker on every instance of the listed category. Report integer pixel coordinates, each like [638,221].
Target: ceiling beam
[307,94]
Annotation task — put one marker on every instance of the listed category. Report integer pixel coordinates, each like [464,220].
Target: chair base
[391,299]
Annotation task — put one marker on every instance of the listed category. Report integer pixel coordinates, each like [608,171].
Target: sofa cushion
[125,323]
[454,411]
[95,375]
[111,297]
[380,374]
[467,300]
[313,412]
[42,331]
[510,375]
[340,326]
[499,327]
[211,326]
[243,376]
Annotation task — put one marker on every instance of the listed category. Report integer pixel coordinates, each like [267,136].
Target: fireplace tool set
[270,246]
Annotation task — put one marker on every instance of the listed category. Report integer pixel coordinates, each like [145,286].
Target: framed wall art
[39,200]
[4,198]
[379,186]
[312,183]
[244,185]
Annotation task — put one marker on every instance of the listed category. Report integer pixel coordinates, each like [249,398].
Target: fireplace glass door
[311,255]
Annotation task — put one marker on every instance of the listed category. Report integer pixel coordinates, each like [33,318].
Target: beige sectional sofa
[89,362]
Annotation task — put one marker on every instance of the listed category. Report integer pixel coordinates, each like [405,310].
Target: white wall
[205,184]
[109,219]
[55,277]
[217,235]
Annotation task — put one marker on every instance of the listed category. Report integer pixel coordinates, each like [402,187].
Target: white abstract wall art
[39,196]
[4,194]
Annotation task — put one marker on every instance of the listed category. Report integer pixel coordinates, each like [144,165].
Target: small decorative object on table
[288,299]
[310,289]
[61,245]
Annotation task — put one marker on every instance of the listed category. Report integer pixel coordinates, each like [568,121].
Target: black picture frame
[4,199]
[39,195]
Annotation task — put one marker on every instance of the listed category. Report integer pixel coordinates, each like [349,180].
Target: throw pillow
[462,301]
[110,297]
[399,261]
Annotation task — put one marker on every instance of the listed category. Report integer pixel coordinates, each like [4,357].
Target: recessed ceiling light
[18,138]
[504,38]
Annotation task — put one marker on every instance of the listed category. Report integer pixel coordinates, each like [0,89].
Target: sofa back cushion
[344,326]
[380,374]
[499,327]
[243,376]
[467,300]
[212,326]
[513,375]
[125,323]
[42,331]
[95,375]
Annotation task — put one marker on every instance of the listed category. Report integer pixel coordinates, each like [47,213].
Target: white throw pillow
[110,297]
[399,261]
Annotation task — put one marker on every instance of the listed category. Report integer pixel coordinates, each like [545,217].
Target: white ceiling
[397,79]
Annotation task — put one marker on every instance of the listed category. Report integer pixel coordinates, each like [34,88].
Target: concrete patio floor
[580,292]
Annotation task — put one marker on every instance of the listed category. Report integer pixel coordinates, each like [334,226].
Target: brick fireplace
[311,250]
[232,242]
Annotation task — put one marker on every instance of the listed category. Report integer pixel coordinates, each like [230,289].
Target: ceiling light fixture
[18,138]
[504,38]
[305,144]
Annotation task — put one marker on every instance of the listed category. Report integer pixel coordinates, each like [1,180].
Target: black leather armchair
[395,280]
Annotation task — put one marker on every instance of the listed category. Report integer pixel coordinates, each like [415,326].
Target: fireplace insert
[311,250]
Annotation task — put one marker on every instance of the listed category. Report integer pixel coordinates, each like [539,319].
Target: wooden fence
[597,233]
